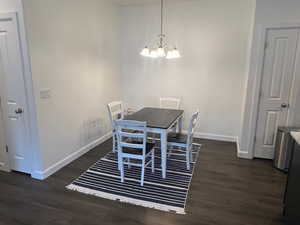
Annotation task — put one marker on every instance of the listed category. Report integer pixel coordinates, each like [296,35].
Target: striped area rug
[170,194]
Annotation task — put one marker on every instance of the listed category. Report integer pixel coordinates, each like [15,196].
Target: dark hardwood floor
[225,190]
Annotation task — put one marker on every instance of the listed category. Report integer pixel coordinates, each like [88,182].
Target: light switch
[45,93]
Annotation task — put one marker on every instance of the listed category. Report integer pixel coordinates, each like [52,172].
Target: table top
[156,117]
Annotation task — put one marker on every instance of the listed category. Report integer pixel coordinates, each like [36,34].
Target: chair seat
[177,138]
[136,151]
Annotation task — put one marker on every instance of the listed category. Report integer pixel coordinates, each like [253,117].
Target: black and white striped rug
[170,194]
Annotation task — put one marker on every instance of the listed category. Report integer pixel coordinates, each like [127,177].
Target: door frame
[5,166]
[31,115]
[247,145]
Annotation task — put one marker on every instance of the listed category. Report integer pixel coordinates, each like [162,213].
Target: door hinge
[254,139]
[6,148]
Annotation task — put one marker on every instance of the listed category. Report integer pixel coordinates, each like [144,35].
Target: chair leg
[174,128]
[119,160]
[188,165]
[152,161]
[122,170]
[169,147]
[114,143]
[128,160]
[143,173]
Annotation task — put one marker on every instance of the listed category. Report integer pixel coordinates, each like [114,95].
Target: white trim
[244,155]
[216,137]
[4,167]
[209,136]
[241,154]
[31,100]
[41,175]
[254,86]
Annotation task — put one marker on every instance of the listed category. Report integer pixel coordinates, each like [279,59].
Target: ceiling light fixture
[161,49]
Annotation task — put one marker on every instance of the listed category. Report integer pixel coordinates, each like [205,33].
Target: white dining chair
[132,144]
[183,141]
[115,111]
[129,109]
[169,103]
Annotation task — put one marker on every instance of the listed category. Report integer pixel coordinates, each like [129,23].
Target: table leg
[180,121]
[163,143]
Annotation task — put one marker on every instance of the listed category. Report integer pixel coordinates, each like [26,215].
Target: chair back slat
[130,145]
[169,103]
[131,135]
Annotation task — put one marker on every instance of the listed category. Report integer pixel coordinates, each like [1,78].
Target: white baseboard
[3,167]
[216,137]
[41,175]
[242,154]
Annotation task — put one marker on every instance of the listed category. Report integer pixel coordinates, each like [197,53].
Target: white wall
[213,37]
[10,6]
[277,11]
[74,48]
[267,12]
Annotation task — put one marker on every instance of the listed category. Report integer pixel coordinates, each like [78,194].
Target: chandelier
[160,48]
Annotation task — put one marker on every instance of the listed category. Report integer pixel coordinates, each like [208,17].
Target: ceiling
[129,2]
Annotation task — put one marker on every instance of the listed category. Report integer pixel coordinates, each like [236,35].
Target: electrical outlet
[45,93]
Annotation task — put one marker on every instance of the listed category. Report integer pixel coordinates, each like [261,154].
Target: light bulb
[173,54]
[153,54]
[145,52]
[161,52]
[176,53]
[170,54]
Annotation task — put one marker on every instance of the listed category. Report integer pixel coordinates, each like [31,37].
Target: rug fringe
[88,191]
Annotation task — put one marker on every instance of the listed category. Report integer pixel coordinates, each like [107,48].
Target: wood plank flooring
[225,191]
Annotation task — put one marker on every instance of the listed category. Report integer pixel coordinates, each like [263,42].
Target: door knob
[19,111]
[284,105]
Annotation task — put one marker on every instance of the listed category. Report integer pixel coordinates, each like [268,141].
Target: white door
[13,97]
[276,88]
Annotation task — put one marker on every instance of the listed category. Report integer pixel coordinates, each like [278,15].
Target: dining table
[159,121]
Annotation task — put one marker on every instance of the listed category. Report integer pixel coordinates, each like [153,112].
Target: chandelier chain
[161,17]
